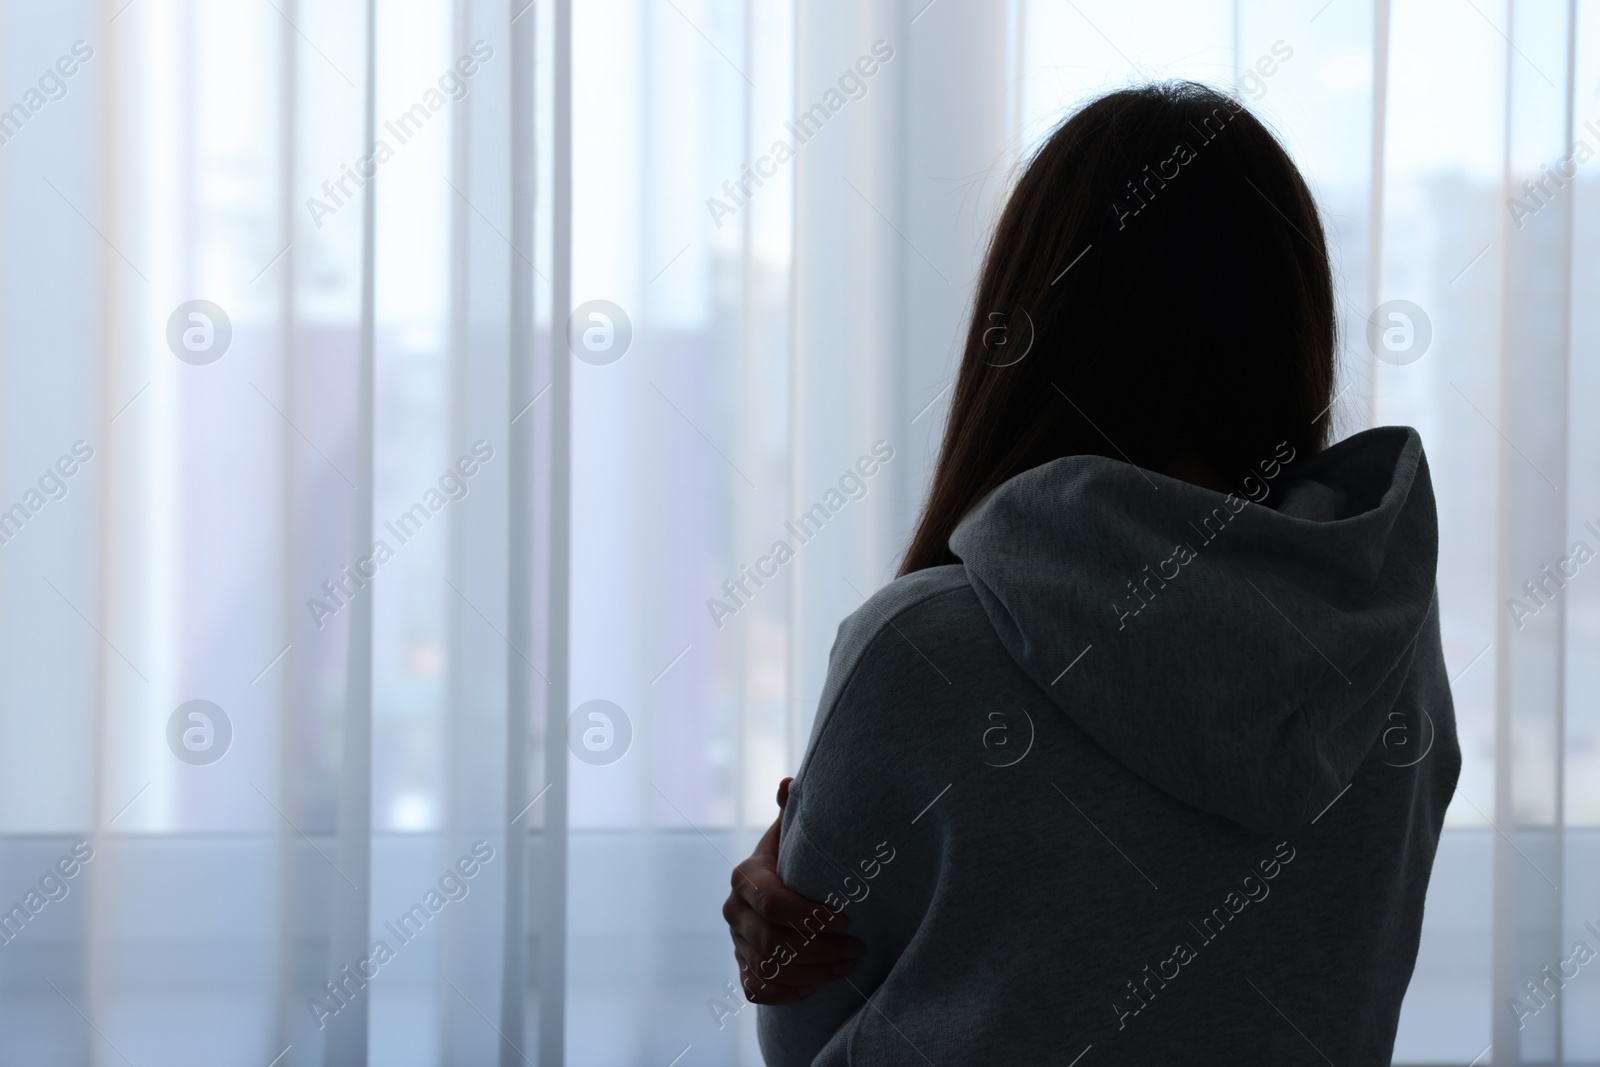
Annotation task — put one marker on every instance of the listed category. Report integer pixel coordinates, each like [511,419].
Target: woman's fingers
[792,974]
[767,847]
[781,944]
[756,881]
[789,983]
[768,915]
[759,990]
[786,944]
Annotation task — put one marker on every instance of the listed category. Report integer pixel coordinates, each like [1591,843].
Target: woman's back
[1153,771]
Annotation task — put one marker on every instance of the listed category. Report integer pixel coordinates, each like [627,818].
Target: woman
[1143,756]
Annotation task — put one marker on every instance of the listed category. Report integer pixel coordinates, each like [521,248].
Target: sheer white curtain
[402,404]
[271,302]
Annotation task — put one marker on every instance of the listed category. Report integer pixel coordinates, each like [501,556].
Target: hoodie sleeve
[793,1035]
[850,838]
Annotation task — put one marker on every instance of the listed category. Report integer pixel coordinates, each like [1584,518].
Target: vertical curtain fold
[1530,847]
[554,851]
[519,621]
[347,1037]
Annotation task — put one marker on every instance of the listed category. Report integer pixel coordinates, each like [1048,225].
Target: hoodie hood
[1240,656]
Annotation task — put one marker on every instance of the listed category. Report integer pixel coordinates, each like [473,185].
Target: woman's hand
[766,920]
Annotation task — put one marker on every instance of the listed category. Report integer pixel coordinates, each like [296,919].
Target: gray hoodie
[1155,775]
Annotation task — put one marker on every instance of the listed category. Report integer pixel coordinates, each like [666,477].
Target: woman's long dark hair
[1158,285]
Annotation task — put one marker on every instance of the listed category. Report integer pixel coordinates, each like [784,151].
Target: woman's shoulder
[936,602]
[915,646]
[919,594]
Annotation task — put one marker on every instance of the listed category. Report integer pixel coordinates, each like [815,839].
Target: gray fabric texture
[1087,793]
